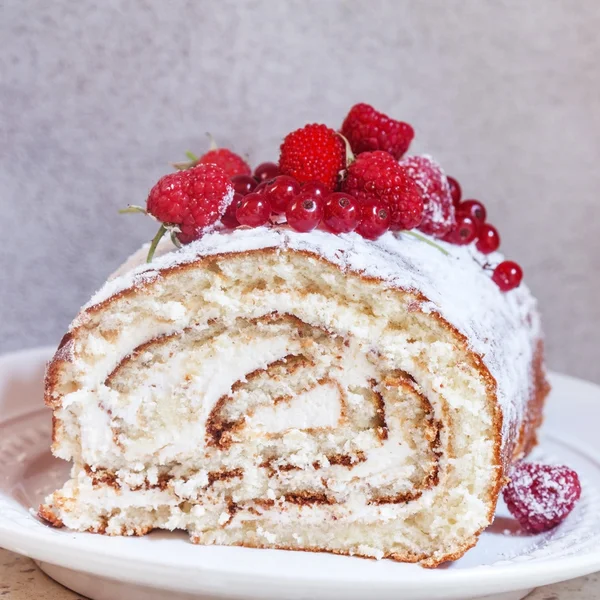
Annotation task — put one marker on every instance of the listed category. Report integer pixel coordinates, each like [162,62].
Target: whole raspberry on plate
[313,153]
[229,161]
[438,214]
[541,496]
[368,130]
[190,201]
[378,176]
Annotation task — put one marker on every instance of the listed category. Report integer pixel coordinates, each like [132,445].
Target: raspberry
[507,275]
[229,161]
[368,130]
[378,176]
[313,153]
[342,212]
[541,496]
[438,214]
[193,200]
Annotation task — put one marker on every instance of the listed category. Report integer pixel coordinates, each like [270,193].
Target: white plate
[503,562]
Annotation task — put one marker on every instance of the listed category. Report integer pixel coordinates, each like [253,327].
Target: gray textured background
[96,97]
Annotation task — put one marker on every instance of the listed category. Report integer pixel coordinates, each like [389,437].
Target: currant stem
[349,154]
[132,209]
[418,236]
[154,243]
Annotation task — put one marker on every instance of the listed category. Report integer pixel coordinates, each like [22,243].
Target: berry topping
[230,162]
[378,176]
[474,209]
[341,212]
[374,219]
[541,496]
[315,187]
[368,130]
[463,232]
[266,171]
[313,153]
[253,211]
[192,200]
[279,192]
[488,238]
[305,212]
[455,190]
[229,219]
[243,184]
[507,275]
[438,212]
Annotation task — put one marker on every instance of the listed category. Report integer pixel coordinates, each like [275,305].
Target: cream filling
[319,407]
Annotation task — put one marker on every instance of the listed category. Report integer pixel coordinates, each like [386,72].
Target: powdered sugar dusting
[503,328]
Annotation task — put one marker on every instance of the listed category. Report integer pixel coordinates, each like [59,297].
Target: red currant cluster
[268,196]
[471,227]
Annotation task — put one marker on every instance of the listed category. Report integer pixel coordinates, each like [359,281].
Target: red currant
[279,192]
[463,232]
[266,171]
[507,275]
[253,211]
[488,238]
[473,208]
[243,184]
[229,219]
[315,188]
[455,190]
[305,212]
[374,219]
[342,213]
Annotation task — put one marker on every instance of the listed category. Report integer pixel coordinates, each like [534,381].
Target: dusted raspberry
[368,130]
[313,153]
[193,199]
[541,496]
[438,215]
[378,176]
[229,161]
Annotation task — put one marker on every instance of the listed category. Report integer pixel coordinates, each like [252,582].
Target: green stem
[132,209]
[418,236]
[155,241]
[191,156]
